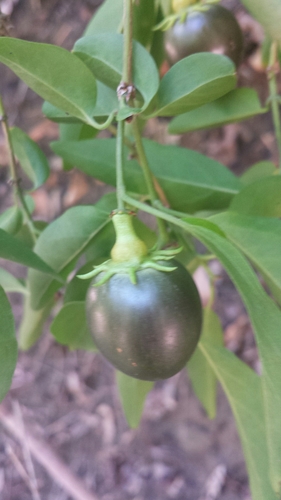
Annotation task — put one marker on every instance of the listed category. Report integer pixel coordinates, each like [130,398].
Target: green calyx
[130,254]
[151,260]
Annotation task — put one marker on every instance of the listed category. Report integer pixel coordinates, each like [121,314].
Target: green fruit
[214,30]
[147,330]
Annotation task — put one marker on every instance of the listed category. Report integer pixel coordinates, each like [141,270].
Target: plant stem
[157,204]
[274,98]
[130,145]
[128,41]
[144,162]
[120,187]
[126,77]
[164,237]
[18,193]
[154,211]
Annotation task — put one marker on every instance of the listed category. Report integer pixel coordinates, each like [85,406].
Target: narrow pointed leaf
[243,390]
[8,345]
[239,104]
[54,73]
[31,157]
[13,249]
[266,320]
[133,393]
[70,327]
[193,82]
[190,180]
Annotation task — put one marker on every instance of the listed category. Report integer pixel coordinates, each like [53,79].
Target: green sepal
[152,260]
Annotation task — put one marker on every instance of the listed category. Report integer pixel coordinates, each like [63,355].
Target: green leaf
[70,327]
[13,249]
[11,284]
[76,132]
[201,373]
[31,158]
[157,49]
[76,289]
[258,171]
[108,18]
[106,103]
[243,390]
[11,220]
[259,238]
[261,198]
[190,180]
[237,105]
[268,14]
[103,54]
[133,393]
[266,320]
[53,73]
[144,19]
[25,235]
[193,82]
[32,323]
[8,345]
[61,243]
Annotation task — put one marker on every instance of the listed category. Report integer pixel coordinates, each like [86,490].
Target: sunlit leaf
[61,243]
[11,284]
[54,73]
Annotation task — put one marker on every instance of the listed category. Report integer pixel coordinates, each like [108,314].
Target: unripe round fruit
[148,330]
[214,30]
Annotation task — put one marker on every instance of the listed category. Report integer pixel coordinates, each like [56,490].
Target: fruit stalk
[128,247]
[120,186]
[163,235]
